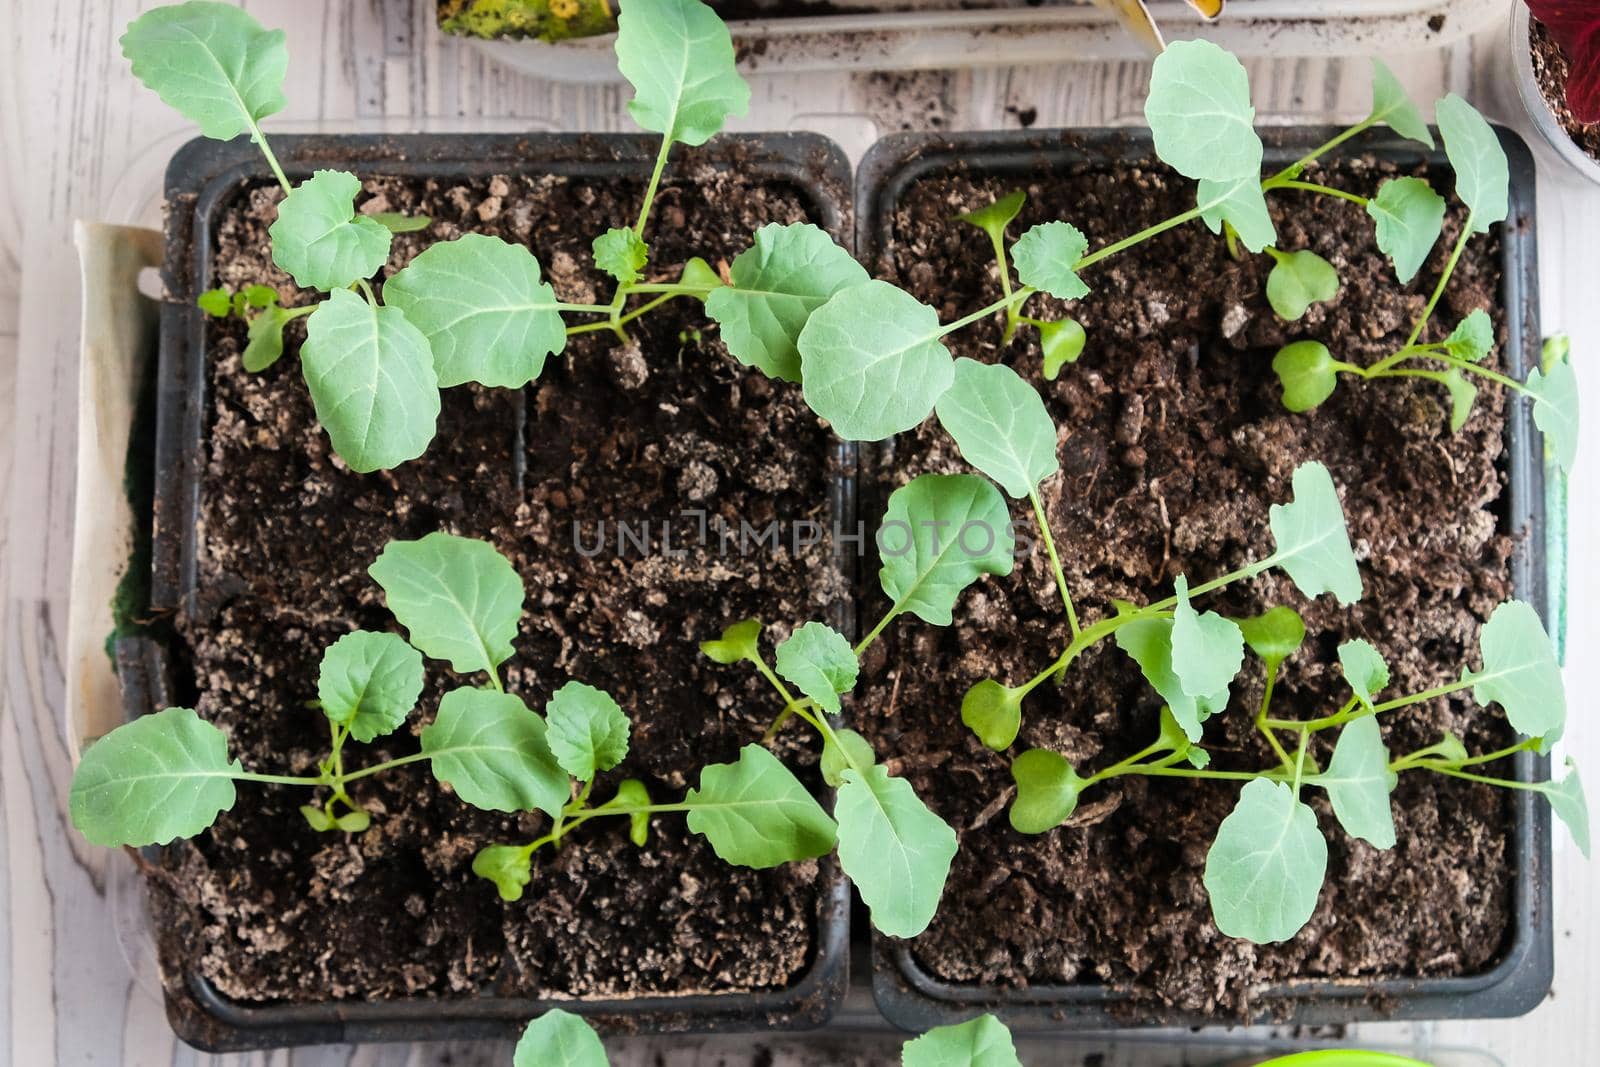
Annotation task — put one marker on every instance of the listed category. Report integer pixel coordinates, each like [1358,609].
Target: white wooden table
[80,139]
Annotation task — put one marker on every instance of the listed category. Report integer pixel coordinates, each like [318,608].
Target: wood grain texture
[79,138]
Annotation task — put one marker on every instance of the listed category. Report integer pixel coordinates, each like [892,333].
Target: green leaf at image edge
[559,1039]
[1199,113]
[980,1042]
[678,56]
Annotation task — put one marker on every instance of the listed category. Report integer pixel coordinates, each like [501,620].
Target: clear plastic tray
[897,39]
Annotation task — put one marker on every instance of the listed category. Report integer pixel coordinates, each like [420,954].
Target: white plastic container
[1568,157]
[894,38]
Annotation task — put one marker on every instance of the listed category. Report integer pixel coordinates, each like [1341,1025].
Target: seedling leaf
[559,1039]
[372,382]
[1305,370]
[1364,669]
[1313,546]
[396,222]
[621,253]
[486,313]
[1149,643]
[941,532]
[1207,650]
[1407,217]
[1567,801]
[1061,342]
[1000,424]
[786,274]
[993,712]
[369,682]
[1555,410]
[1520,673]
[218,303]
[154,779]
[1200,115]
[1391,105]
[738,642]
[980,1042]
[632,793]
[893,848]
[1047,791]
[1298,280]
[587,730]
[1482,174]
[1045,257]
[871,361]
[1265,869]
[1463,394]
[1274,635]
[509,867]
[320,240]
[1241,203]
[819,660]
[1359,781]
[458,598]
[993,218]
[756,813]
[493,750]
[265,345]
[1473,337]
[851,750]
[678,56]
[211,62]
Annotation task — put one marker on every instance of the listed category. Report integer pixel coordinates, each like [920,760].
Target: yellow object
[1136,18]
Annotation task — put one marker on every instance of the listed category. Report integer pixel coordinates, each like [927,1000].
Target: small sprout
[1407,217]
[1308,373]
[622,254]
[1359,781]
[1045,258]
[509,867]
[494,751]
[893,848]
[738,642]
[1298,280]
[993,712]
[872,362]
[993,218]
[458,598]
[353,822]
[1364,669]
[820,662]
[559,1039]
[218,303]
[316,818]
[587,730]
[980,1042]
[1274,635]
[1062,343]
[1264,871]
[1001,426]
[1047,791]
[841,751]
[756,813]
[1200,115]
[941,533]
[632,793]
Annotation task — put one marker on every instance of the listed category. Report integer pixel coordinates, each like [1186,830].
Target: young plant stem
[1313,187]
[1132,239]
[1444,279]
[266,150]
[1261,718]
[1294,169]
[1055,562]
[1013,316]
[873,634]
[650,190]
[1007,302]
[1354,710]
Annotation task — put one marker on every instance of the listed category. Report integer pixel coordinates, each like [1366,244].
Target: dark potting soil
[275,911]
[1173,443]
[1550,67]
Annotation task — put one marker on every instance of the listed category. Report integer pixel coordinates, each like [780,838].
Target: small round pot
[1538,108]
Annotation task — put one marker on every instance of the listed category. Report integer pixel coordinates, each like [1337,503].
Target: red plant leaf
[1575,24]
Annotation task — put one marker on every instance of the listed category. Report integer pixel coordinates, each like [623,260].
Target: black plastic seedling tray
[912,998]
[202,179]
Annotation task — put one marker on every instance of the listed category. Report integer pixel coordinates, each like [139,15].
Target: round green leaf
[559,1039]
[621,253]
[1483,177]
[1299,280]
[786,274]
[1391,105]
[1363,668]
[819,660]
[459,598]
[372,382]
[1061,342]
[1207,650]
[1274,635]
[1306,371]
[1555,410]
[1000,424]
[1047,791]
[1200,115]
[1408,217]
[756,813]
[893,848]
[211,62]
[851,750]
[159,777]
[980,1042]
[587,730]
[320,240]
[1265,869]
[1567,801]
[1359,781]
[1313,547]
[1242,204]
[678,56]
[509,867]
[492,750]
[871,361]
[486,313]
[738,642]
[993,712]
[941,532]
[369,682]
[1520,673]
[1045,257]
